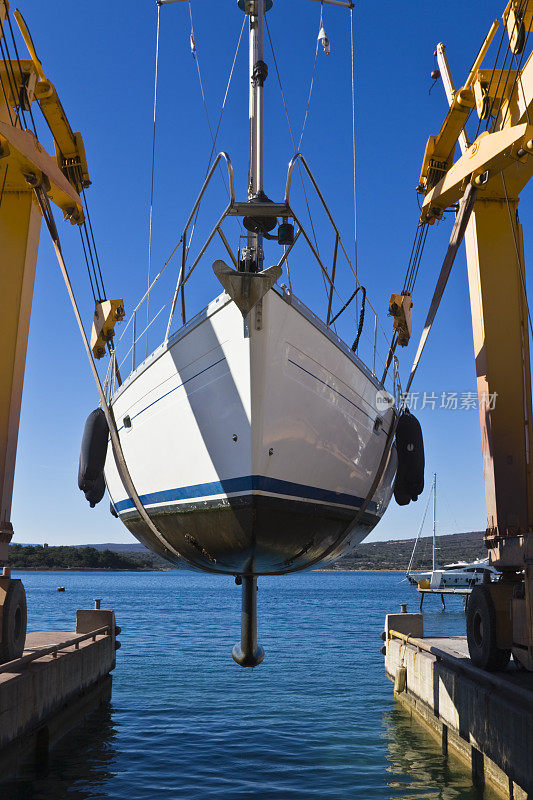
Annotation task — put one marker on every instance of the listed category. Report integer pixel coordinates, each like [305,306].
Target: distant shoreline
[177,569]
[389,556]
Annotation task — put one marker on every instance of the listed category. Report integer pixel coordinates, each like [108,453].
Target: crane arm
[499,163]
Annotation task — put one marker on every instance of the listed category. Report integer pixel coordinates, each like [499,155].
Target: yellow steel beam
[492,152]
[25,165]
[29,43]
[20,220]
[440,149]
[480,56]
[70,151]
[492,86]
[4,9]
[29,162]
[501,343]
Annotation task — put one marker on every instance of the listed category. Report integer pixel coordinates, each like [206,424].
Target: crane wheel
[14,619]
[481,632]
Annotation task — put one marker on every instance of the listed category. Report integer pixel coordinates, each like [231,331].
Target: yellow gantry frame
[25,165]
[500,164]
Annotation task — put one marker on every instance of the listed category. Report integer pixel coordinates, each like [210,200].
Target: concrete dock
[61,677]
[486,718]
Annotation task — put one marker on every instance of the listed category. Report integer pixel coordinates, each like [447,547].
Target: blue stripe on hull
[247,483]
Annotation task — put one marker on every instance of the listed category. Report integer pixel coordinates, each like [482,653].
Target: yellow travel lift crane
[29,178]
[489,175]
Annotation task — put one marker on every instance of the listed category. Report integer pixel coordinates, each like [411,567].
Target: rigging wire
[518,78]
[419,531]
[213,137]
[491,79]
[153,167]
[296,149]
[311,85]
[353,140]
[22,81]
[508,51]
[226,95]
[87,264]
[195,54]
[99,290]
[213,147]
[7,60]
[86,204]
[6,99]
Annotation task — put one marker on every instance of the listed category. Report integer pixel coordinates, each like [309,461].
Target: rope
[416,256]
[312,81]
[88,268]
[353,140]
[355,345]
[23,85]
[200,76]
[100,295]
[213,137]
[411,275]
[7,60]
[296,149]
[120,461]
[456,238]
[345,306]
[518,77]
[491,110]
[153,168]
[226,96]
[86,204]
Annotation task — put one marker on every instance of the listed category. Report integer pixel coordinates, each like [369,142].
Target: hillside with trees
[396,554]
[392,555]
[78,558]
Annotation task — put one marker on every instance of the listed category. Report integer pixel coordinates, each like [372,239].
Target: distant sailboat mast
[434,516]
[433,492]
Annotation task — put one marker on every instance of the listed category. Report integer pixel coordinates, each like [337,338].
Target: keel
[247,653]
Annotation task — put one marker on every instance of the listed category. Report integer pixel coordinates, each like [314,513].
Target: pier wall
[42,699]
[487,721]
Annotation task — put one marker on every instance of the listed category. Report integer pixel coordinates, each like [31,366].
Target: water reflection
[417,768]
[308,725]
[80,766]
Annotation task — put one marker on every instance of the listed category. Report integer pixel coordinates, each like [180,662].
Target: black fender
[92,457]
[409,482]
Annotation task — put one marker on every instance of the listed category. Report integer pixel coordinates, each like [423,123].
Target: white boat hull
[253,443]
[458,576]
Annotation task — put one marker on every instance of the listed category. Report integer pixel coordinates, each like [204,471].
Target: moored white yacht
[461,575]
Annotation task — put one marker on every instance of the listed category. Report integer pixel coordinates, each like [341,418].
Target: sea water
[316,720]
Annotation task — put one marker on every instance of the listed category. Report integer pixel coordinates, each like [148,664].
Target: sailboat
[462,575]
[255,440]
[416,577]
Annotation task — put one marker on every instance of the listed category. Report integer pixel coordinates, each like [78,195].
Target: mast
[258,72]
[434,515]
[257,75]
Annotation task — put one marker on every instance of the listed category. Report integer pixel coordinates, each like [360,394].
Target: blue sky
[102,64]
